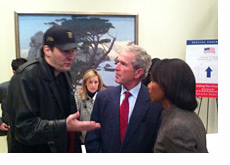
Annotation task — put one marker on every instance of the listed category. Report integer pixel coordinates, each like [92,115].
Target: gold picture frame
[109,32]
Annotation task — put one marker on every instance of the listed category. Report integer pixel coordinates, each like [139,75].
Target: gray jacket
[85,108]
[181,131]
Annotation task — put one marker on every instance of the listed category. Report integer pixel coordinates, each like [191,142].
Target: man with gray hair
[129,121]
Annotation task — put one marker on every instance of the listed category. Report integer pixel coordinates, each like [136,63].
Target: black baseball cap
[61,37]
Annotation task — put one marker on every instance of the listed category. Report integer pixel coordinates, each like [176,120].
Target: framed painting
[100,37]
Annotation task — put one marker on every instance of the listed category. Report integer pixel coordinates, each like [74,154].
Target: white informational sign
[202,57]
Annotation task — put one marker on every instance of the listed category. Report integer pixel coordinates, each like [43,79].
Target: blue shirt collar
[134,91]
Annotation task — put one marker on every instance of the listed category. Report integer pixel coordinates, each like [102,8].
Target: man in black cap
[42,110]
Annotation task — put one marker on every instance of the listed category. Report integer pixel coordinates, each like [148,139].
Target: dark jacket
[142,128]
[3,94]
[37,117]
[3,90]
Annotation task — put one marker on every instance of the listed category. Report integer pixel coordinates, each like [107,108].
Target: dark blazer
[3,90]
[141,131]
[181,131]
[3,93]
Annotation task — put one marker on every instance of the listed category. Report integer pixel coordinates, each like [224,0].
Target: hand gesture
[72,124]
[4,127]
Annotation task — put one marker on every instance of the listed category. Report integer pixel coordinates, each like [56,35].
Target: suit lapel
[139,112]
[114,114]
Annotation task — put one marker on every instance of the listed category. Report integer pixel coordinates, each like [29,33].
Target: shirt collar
[134,91]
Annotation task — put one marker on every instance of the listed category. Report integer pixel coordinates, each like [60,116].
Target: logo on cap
[69,34]
[60,37]
[49,39]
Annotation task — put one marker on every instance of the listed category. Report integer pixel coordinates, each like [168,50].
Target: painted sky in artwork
[30,24]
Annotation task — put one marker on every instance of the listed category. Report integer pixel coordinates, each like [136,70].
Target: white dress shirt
[132,98]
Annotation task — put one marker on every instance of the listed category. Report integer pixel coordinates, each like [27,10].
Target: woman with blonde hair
[85,96]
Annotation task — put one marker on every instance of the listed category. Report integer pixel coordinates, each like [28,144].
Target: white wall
[164,27]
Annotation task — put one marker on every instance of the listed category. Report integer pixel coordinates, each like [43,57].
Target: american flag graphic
[209,50]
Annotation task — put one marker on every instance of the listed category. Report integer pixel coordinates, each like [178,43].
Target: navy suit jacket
[142,129]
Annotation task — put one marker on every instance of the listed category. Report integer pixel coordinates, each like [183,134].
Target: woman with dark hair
[147,79]
[173,86]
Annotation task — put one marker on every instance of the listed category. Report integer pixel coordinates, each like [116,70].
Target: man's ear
[139,72]
[46,50]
